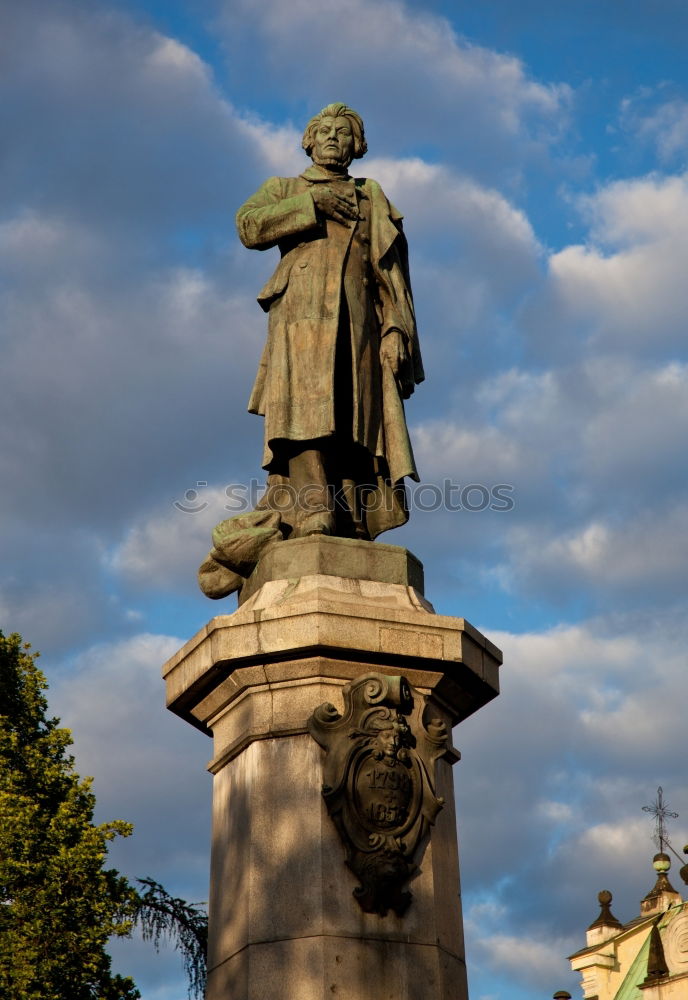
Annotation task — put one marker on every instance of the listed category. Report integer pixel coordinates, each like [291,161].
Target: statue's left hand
[393,353]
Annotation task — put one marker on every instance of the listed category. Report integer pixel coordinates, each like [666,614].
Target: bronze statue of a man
[342,348]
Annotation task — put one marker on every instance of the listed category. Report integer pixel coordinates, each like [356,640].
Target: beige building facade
[644,959]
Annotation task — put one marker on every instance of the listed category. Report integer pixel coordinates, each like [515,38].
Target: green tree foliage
[58,903]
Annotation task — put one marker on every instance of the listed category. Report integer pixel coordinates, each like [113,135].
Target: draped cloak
[334,280]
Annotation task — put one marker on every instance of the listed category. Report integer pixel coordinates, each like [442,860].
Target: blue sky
[539,157]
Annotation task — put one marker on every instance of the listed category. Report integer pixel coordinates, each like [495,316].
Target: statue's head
[335,136]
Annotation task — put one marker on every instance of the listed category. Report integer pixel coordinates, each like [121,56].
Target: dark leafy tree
[59,905]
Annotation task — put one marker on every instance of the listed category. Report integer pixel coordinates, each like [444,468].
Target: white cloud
[556,812]
[463,201]
[648,711]
[533,406]
[149,769]
[594,452]
[148,765]
[604,555]
[473,255]
[169,54]
[637,431]
[278,145]
[610,841]
[567,655]
[468,230]
[540,959]
[29,235]
[553,778]
[93,369]
[662,123]
[482,455]
[425,43]
[135,130]
[52,613]
[166,547]
[625,288]
[630,212]
[428,82]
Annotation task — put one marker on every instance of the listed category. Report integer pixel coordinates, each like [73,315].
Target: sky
[539,156]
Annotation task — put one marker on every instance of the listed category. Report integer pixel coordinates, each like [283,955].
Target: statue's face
[333,144]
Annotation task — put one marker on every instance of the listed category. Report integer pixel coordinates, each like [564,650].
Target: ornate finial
[661,812]
[661,864]
[606,917]
[661,861]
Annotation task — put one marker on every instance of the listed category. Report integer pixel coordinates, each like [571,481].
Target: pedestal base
[283,921]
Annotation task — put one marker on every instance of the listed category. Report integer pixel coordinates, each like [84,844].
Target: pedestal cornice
[331,627]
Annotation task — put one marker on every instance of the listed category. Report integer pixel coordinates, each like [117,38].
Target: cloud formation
[623,290]
[564,819]
[431,86]
[149,769]
[651,116]
[556,363]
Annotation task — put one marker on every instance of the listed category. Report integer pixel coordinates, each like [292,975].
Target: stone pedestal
[284,924]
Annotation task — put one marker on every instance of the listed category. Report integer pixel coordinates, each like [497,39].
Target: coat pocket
[276,285]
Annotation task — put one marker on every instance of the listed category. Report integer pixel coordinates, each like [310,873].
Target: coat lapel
[383,231]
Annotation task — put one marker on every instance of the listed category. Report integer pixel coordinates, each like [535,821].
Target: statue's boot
[314,506]
[315,515]
[351,497]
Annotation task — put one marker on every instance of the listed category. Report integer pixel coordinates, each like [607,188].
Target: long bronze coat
[324,263]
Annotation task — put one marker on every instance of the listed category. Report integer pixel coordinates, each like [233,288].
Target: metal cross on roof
[661,812]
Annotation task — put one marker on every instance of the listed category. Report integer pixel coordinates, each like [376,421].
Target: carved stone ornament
[676,941]
[379,783]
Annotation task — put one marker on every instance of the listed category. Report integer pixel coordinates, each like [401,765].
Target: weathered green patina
[341,353]
[340,290]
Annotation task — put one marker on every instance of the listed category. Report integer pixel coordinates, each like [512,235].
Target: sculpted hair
[337,111]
